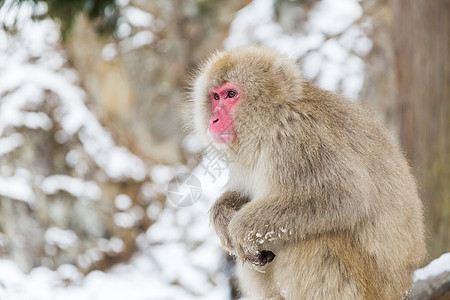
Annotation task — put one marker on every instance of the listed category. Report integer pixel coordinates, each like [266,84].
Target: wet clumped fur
[320,203]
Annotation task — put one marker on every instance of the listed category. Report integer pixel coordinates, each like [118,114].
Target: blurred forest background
[90,138]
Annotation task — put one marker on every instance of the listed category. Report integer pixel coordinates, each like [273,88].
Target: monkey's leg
[258,284]
[330,266]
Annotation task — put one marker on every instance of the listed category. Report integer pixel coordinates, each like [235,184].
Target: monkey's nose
[216,120]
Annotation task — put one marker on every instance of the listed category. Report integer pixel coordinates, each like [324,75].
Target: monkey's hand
[252,237]
[222,212]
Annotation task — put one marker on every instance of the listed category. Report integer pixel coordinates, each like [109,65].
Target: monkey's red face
[223,100]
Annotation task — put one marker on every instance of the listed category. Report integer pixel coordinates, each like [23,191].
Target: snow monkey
[320,203]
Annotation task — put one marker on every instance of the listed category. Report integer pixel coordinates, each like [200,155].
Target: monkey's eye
[216,96]
[231,94]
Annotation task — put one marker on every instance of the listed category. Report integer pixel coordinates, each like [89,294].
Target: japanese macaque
[320,203]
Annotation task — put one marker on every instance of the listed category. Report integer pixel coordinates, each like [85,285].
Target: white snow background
[163,257]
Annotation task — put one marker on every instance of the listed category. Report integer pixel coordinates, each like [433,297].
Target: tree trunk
[433,288]
[421,43]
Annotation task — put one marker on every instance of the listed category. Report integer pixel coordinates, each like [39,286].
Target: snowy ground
[164,267]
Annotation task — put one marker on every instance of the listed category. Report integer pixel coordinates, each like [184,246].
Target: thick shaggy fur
[316,180]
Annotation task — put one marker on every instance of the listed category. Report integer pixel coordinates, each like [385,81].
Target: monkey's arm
[266,224]
[222,212]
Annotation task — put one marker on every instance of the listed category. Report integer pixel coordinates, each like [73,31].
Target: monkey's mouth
[223,138]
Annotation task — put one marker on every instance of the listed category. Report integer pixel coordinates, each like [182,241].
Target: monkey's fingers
[252,255]
[266,257]
[261,258]
[240,253]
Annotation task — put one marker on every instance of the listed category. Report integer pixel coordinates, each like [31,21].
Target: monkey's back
[354,153]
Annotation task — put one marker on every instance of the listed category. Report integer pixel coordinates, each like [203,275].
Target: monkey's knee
[307,271]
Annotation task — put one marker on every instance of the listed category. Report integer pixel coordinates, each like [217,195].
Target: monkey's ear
[281,74]
[280,71]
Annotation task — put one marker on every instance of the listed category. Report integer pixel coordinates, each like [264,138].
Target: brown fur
[316,180]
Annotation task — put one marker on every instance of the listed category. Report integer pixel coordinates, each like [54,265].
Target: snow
[111,246]
[137,17]
[109,52]
[161,174]
[73,115]
[18,186]
[74,186]
[12,106]
[122,202]
[124,30]
[355,39]
[122,3]
[139,40]
[60,237]
[154,210]
[125,220]
[333,17]
[248,20]
[179,258]
[135,29]
[10,143]
[436,267]
[74,158]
